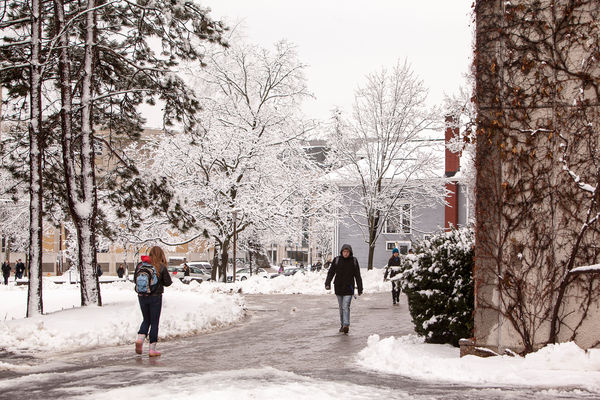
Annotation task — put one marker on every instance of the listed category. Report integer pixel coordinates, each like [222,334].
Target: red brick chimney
[452,167]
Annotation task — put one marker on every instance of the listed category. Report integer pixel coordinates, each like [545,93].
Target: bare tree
[386,161]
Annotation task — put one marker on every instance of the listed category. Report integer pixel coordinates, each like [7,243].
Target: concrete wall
[528,210]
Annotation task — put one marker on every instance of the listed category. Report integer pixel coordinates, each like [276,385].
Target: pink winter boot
[139,343]
[153,352]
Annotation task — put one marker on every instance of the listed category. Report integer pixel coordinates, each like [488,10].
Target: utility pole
[234,242]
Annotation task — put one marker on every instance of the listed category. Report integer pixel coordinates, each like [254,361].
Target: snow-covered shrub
[437,279]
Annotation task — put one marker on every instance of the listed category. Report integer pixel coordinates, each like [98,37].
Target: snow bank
[560,365]
[308,283]
[66,326]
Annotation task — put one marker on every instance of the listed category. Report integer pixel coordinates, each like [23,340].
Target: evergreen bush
[437,279]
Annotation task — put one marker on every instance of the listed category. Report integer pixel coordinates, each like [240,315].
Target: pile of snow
[307,283]
[560,365]
[66,326]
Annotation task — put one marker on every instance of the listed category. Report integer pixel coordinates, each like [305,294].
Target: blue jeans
[344,304]
[151,307]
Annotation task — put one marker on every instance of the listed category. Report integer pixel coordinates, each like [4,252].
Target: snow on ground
[555,366]
[187,309]
[259,383]
[308,283]
[65,326]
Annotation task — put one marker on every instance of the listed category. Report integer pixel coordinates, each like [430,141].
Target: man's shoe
[345,329]
[341,329]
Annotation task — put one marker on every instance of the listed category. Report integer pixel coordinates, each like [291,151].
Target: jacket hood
[346,246]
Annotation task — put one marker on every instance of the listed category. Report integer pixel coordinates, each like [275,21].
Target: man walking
[346,270]
[19,269]
[6,271]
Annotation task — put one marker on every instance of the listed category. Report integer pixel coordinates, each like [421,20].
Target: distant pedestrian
[155,264]
[391,270]
[120,271]
[318,266]
[19,269]
[186,270]
[99,271]
[346,270]
[6,271]
[280,269]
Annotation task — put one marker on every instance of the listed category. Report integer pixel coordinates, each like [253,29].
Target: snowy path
[287,348]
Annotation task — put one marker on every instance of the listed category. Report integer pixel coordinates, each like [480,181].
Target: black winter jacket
[20,267]
[392,267]
[6,269]
[346,272]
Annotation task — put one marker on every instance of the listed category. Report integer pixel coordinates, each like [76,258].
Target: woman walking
[151,275]
[393,268]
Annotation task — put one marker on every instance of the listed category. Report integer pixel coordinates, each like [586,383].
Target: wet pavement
[285,340]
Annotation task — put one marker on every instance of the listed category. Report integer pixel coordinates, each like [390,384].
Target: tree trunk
[34,296]
[224,261]
[86,241]
[66,111]
[371,254]
[373,224]
[86,210]
[7,248]
[215,264]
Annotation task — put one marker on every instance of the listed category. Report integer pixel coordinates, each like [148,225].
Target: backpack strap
[335,261]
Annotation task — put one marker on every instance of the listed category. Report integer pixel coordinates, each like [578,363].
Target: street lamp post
[234,243]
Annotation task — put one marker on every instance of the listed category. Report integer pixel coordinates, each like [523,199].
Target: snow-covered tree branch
[385,158]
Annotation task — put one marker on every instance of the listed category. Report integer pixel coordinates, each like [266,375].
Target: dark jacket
[164,278]
[20,267]
[392,262]
[6,269]
[346,272]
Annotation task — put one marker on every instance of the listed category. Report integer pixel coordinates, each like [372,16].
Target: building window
[399,220]
[403,247]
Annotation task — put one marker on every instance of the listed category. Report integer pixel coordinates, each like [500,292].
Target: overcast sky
[343,40]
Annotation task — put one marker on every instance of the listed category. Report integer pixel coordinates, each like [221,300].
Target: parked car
[290,271]
[201,264]
[196,274]
[244,273]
